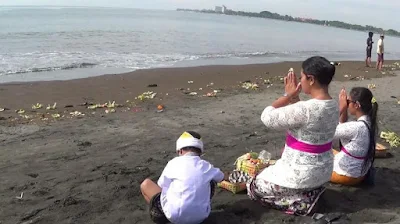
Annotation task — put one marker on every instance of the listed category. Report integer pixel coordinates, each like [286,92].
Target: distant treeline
[270,15]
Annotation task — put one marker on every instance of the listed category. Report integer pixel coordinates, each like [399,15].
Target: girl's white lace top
[313,122]
[354,136]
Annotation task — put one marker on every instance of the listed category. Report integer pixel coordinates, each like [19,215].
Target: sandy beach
[88,168]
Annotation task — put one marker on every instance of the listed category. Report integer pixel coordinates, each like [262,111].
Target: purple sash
[304,147]
[347,153]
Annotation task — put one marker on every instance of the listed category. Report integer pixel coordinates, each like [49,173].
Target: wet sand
[88,169]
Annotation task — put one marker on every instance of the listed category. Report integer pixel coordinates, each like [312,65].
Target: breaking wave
[52,61]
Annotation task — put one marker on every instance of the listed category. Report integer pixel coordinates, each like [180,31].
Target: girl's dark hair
[364,97]
[319,67]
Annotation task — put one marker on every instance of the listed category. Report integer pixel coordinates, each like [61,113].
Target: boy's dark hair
[319,67]
[194,134]
[193,149]
[370,34]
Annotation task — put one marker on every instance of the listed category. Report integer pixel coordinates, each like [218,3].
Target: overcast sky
[382,13]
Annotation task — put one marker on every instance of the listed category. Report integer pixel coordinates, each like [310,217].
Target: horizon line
[81,6]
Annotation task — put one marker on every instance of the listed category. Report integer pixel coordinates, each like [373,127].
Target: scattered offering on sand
[26,116]
[20,111]
[371,86]
[2,109]
[192,93]
[56,115]
[393,67]
[249,85]
[92,107]
[76,114]
[146,95]
[211,94]
[20,196]
[49,107]
[392,138]
[104,105]
[152,85]
[190,82]
[110,111]
[160,108]
[111,104]
[37,106]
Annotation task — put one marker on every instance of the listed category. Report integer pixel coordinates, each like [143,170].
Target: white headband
[187,140]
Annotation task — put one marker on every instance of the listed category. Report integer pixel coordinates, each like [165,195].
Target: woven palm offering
[251,164]
[237,182]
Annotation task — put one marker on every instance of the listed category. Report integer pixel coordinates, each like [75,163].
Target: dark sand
[88,170]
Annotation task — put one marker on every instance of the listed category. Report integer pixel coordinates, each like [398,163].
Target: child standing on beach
[184,190]
[369,49]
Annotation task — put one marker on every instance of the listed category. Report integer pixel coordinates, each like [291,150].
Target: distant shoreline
[276,16]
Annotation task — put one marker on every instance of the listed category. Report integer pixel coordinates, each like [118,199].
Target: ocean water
[45,43]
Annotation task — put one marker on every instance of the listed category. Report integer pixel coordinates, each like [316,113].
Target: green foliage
[271,15]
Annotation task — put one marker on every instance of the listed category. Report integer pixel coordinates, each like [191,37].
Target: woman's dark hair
[370,34]
[319,67]
[369,107]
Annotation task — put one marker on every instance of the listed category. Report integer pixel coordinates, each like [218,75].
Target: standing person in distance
[380,50]
[369,49]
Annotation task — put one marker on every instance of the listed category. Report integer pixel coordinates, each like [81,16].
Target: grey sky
[381,13]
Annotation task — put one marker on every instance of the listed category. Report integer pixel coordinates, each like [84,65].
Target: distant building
[219,9]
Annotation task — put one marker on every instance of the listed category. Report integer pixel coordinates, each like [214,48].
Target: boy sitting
[184,190]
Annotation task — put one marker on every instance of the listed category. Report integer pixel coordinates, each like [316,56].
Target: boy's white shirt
[185,184]
[379,45]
